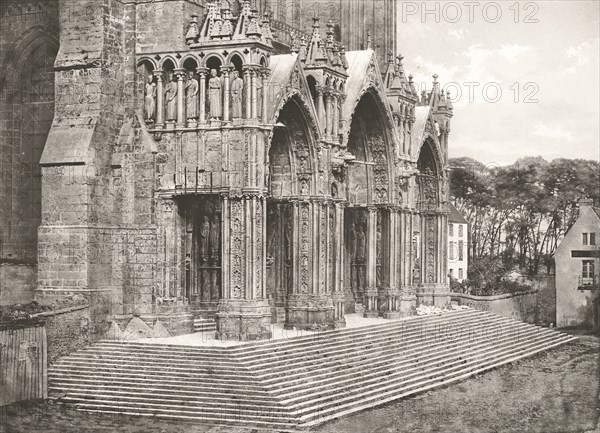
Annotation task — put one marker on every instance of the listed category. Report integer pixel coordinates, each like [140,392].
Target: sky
[523,76]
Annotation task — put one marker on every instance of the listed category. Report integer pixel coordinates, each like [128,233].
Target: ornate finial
[390,58]
[253,30]
[435,77]
[295,44]
[343,57]
[303,51]
[228,23]
[410,78]
[330,27]
[315,22]
[266,28]
[337,60]
[193,30]
[369,40]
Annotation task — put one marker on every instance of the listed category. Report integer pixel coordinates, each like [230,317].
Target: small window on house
[592,238]
[585,239]
[451,252]
[460,231]
[460,273]
[451,229]
[587,269]
[461,247]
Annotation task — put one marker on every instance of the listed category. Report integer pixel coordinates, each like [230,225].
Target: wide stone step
[261,419]
[80,385]
[144,401]
[160,392]
[121,376]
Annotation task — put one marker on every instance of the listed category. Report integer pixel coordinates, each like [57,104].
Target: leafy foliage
[518,213]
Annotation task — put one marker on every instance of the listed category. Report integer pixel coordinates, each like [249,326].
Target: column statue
[215,233]
[361,268]
[215,236]
[191,97]
[171,98]
[150,99]
[204,239]
[214,95]
[360,244]
[259,96]
[237,88]
[352,254]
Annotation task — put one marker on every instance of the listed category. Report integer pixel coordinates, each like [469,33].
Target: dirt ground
[554,392]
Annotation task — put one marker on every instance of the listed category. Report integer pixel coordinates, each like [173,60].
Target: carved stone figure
[215,233]
[191,97]
[204,238]
[237,88]
[214,95]
[150,99]
[304,187]
[171,99]
[259,95]
[352,242]
[360,244]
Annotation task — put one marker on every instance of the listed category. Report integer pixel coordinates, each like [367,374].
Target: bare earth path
[553,392]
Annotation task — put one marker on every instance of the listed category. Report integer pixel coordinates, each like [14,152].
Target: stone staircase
[298,382]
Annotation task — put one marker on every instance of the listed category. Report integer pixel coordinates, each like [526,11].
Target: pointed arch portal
[366,221]
[291,177]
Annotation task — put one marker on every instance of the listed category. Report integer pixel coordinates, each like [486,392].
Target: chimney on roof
[585,203]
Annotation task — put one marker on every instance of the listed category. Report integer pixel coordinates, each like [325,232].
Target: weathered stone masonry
[200,165]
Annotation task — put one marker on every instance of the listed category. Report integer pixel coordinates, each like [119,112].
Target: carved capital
[159,74]
[226,69]
[180,73]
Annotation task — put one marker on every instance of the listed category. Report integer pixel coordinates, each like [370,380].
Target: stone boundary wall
[522,306]
[67,330]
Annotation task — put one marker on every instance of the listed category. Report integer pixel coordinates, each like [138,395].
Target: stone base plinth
[243,319]
[371,313]
[392,315]
[309,312]
[339,323]
[432,294]
[371,302]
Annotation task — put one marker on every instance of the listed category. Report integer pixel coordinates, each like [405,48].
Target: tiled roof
[455,216]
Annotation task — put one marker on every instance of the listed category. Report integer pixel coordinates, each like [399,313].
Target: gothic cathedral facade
[210,159]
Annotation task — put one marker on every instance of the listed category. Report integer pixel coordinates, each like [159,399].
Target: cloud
[512,52]
[556,132]
[458,34]
[582,54]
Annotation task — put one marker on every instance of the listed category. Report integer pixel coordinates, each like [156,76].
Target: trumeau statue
[150,99]
[214,95]
[171,99]
[191,97]
[237,87]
